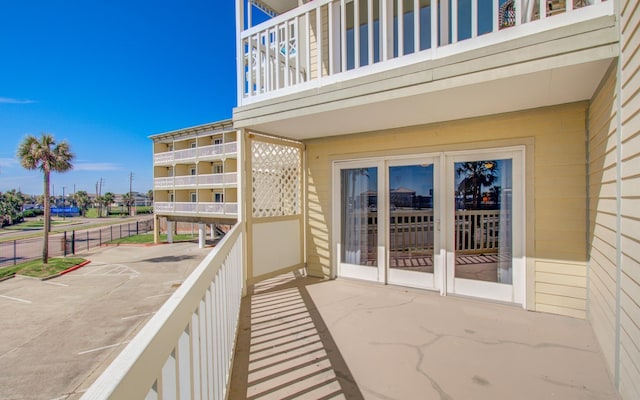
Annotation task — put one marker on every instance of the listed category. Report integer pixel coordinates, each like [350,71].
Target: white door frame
[444,256]
[514,293]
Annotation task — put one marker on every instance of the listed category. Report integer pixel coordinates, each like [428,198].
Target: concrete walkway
[313,339]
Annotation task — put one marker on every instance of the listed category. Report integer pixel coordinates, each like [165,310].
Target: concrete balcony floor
[302,337]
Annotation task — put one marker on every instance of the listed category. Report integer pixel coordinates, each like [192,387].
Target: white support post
[401,28]
[202,236]
[416,26]
[240,54]
[356,33]
[474,18]
[212,229]
[169,231]
[434,24]
[343,35]
[444,18]
[370,30]
[495,11]
[454,21]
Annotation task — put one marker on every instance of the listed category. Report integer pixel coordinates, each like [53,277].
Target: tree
[150,195]
[82,201]
[108,199]
[476,175]
[48,156]
[127,200]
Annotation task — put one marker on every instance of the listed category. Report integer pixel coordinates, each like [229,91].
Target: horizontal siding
[630,211]
[603,210]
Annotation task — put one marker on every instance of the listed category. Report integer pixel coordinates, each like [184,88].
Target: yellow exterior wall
[556,210]
[630,201]
[602,215]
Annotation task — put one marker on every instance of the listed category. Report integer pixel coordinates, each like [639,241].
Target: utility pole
[63,202]
[131,209]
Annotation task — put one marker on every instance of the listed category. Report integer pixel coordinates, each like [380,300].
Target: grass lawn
[37,269]
[33,225]
[147,238]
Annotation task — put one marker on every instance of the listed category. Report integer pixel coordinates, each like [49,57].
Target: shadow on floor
[285,349]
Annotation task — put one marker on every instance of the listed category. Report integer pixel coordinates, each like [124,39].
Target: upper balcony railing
[208,180]
[316,43]
[186,350]
[216,151]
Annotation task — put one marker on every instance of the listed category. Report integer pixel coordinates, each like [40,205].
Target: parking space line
[102,348]
[16,299]
[54,283]
[137,315]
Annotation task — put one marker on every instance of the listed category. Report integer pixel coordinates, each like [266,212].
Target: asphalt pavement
[57,336]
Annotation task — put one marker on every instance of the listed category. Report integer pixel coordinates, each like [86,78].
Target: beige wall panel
[563,301]
[560,290]
[559,168]
[577,269]
[570,312]
[605,329]
[630,285]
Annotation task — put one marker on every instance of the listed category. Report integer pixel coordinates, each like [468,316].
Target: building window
[171,197]
[219,197]
[217,169]
[192,145]
[192,171]
[194,197]
[217,141]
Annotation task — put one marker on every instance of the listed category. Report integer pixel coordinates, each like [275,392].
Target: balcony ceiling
[280,6]
[481,94]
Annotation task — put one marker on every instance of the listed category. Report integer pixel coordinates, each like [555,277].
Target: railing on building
[216,151]
[315,43]
[218,208]
[220,179]
[186,350]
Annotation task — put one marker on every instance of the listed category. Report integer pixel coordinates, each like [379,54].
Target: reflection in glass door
[485,256]
[412,225]
[359,222]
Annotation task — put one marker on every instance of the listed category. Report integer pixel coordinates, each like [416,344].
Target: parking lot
[57,336]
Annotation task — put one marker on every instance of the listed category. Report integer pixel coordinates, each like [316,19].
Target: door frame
[444,255]
[516,292]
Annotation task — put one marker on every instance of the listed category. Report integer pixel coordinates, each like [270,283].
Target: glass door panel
[412,225]
[359,222]
[484,250]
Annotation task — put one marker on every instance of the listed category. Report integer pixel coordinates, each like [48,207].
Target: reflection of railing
[186,350]
[412,231]
[316,40]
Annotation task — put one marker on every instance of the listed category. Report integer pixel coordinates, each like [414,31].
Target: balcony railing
[209,180]
[218,208]
[316,43]
[185,351]
[216,151]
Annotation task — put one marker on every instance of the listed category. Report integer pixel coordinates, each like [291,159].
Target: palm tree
[476,175]
[108,199]
[82,201]
[47,156]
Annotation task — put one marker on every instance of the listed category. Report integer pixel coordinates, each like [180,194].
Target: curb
[7,277]
[66,271]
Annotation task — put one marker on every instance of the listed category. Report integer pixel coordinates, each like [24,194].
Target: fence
[69,242]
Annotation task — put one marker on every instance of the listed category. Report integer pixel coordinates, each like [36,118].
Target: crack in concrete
[372,308]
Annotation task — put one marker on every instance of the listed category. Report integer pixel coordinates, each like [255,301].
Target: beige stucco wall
[556,183]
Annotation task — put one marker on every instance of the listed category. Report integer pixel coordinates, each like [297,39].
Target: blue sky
[104,75]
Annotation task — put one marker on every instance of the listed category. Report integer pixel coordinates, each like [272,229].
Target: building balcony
[193,155]
[308,73]
[206,209]
[301,337]
[222,180]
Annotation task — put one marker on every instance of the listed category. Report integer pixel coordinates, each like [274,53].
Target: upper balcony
[332,67]
[192,155]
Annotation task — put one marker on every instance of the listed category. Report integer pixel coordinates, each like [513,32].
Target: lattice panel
[276,186]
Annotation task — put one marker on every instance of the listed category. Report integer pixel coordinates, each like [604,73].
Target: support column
[213,231]
[202,235]
[156,229]
[169,231]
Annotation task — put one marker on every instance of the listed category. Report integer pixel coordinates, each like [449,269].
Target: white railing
[218,150]
[165,182]
[227,178]
[205,152]
[219,208]
[316,42]
[186,350]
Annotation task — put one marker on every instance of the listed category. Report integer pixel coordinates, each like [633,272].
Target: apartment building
[488,149]
[195,177]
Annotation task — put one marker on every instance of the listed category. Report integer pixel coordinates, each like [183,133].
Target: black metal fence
[69,242]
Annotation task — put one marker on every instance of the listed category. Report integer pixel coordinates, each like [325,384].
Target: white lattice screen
[277,180]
